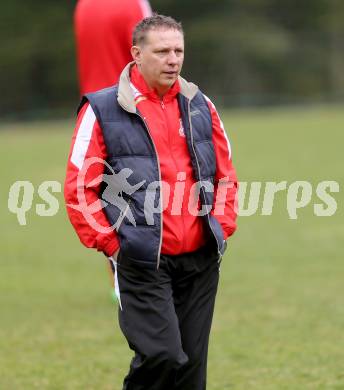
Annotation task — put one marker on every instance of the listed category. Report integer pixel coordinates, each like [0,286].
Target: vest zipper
[199,175]
[160,200]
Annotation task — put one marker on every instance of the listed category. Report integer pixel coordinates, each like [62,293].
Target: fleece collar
[126,96]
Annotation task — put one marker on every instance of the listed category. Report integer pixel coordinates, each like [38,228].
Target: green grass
[279,316]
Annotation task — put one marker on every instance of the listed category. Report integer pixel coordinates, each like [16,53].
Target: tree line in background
[243,52]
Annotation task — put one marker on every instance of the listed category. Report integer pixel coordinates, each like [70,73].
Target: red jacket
[103,31]
[182,231]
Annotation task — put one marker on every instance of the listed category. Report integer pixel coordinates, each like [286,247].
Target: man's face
[160,58]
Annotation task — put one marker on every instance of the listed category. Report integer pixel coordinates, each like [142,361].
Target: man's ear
[136,54]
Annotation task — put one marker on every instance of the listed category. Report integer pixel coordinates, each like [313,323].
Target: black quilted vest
[129,145]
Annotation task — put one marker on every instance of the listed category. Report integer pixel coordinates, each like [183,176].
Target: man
[103,31]
[167,161]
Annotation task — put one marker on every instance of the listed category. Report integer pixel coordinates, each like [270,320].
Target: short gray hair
[154,22]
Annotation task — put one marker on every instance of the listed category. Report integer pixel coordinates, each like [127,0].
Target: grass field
[279,320]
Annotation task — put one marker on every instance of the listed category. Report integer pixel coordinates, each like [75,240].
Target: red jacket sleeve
[226,184]
[82,185]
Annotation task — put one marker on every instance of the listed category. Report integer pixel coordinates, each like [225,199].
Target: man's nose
[172,58]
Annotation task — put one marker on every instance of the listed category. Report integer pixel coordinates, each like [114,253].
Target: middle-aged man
[150,183]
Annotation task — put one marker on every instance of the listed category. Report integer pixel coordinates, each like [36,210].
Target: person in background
[103,31]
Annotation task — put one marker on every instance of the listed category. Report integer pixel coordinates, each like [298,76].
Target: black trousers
[166,317]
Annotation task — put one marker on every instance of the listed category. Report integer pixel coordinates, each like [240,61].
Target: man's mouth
[170,73]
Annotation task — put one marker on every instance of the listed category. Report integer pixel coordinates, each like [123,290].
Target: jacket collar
[125,96]
[140,86]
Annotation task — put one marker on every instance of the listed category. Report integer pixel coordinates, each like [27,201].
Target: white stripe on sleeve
[145,8]
[222,127]
[83,138]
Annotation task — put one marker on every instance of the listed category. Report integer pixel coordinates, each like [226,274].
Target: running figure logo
[117,185]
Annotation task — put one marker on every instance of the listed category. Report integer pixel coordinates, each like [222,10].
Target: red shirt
[182,231]
[103,32]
